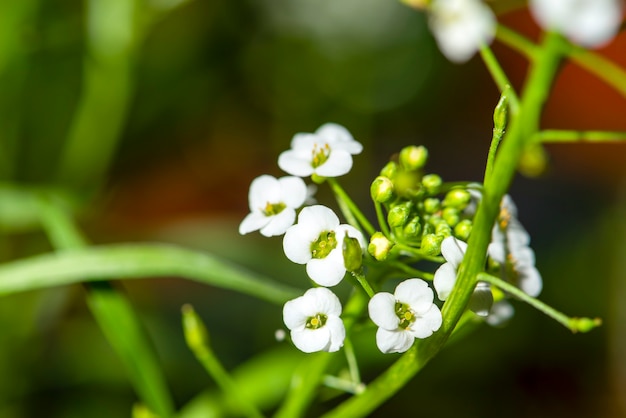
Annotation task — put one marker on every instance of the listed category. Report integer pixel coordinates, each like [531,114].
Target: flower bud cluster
[421,210]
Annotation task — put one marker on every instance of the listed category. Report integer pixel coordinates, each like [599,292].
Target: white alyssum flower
[590,23]
[453,251]
[510,247]
[404,316]
[460,27]
[317,241]
[314,321]
[325,153]
[273,203]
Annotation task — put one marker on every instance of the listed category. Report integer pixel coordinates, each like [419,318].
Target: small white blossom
[314,322]
[317,241]
[404,316]
[460,27]
[273,203]
[453,251]
[501,312]
[591,23]
[326,153]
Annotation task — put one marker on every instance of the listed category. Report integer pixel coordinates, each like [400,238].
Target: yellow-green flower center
[273,208]
[405,314]
[320,155]
[316,322]
[324,244]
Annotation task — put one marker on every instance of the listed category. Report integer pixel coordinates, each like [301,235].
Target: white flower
[509,247]
[314,322]
[501,312]
[407,314]
[326,153]
[453,251]
[317,241]
[273,203]
[460,27]
[591,23]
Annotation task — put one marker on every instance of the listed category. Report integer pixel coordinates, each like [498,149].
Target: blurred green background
[154,116]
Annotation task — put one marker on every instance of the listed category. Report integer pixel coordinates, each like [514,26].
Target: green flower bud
[381,189]
[432,183]
[500,113]
[389,170]
[534,161]
[413,157]
[406,183]
[413,228]
[196,333]
[584,324]
[457,198]
[352,254]
[379,246]
[463,229]
[399,214]
[451,216]
[443,229]
[432,205]
[431,244]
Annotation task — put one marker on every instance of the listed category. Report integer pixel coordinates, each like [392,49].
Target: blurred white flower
[326,153]
[317,241]
[314,322]
[460,27]
[273,203]
[590,23]
[404,316]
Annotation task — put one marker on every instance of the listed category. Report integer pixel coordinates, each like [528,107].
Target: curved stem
[352,212]
[499,76]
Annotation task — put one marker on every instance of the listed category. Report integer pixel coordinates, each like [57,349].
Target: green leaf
[136,261]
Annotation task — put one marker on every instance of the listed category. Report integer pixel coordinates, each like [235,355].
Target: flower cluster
[462,27]
[420,218]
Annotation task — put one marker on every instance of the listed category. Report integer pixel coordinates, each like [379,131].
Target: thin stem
[197,339]
[349,208]
[382,222]
[573,324]
[499,76]
[353,366]
[516,41]
[413,272]
[598,65]
[578,136]
[364,284]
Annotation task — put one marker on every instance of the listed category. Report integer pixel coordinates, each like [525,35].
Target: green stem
[517,42]
[573,324]
[353,366]
[197,339]
[352,211]
[522,127]
[364,284]
[578,136]
[499,76]
[413,272]
[603,68]
[382,222]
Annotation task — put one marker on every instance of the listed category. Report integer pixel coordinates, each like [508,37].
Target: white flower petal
[337,333]
[327,271]
[445,278]
[311,340]
[396,341]
[481,300]
[381,308]
[339,162]
[279,223]
[293,191]
[530,281]
[453,250]
[297,243]
[339,137]
[416,294]
[324,301]
[319,217]
[252,222]
[295,163]
[263,189]
[293,315]
[427,323]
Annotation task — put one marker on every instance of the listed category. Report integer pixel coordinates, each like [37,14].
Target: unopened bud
[413,157]
[431,244]
[196,334]
[379,246]
[381,189]
[352,253]
[463,229]
[500,114]
[389,170]
[443,229]
[413,228]
[432,205]
[457,198]
[432,183]
[451,216]
[399,214]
